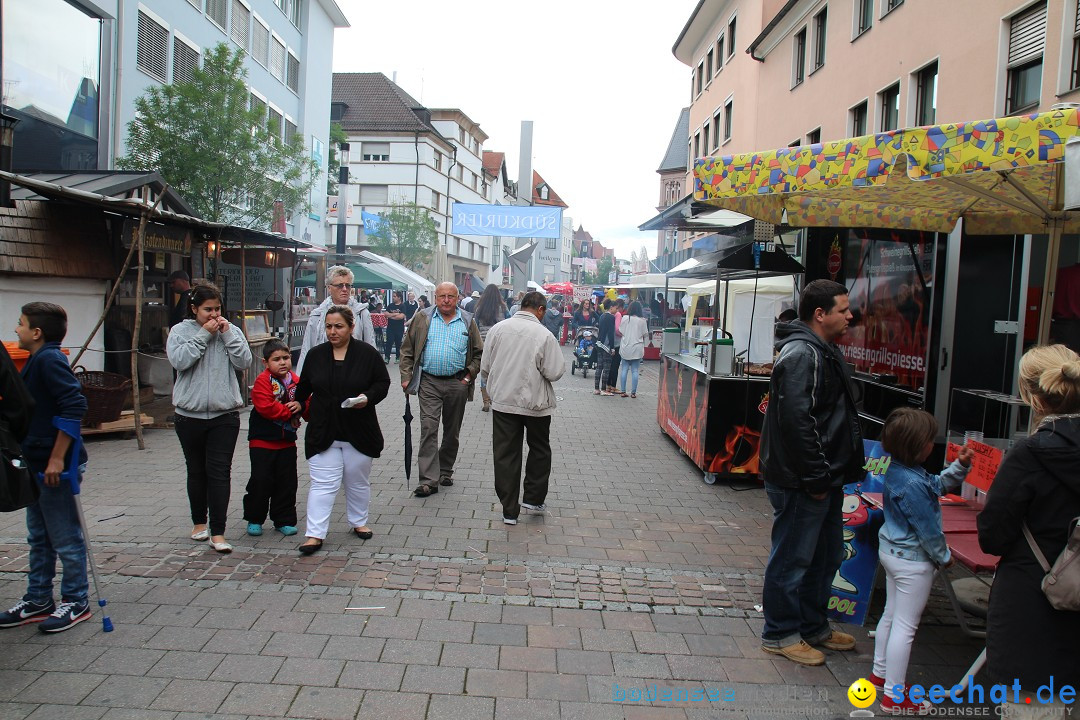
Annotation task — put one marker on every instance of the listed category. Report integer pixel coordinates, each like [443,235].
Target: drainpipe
[118,49]
[416,182]
[446,227]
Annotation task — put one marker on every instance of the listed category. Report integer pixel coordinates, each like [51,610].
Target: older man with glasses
[440,359]
[339,283]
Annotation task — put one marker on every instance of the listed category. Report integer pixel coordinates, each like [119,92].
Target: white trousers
[341,461]
[907,584]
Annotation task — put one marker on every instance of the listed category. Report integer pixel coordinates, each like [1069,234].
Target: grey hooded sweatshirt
[206,365]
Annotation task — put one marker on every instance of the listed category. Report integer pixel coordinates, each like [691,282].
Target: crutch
[72,429]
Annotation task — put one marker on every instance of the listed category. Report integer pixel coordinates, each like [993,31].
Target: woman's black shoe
[310,548]
[363,534]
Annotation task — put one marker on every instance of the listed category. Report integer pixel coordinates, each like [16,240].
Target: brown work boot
[837,641]
[799,652]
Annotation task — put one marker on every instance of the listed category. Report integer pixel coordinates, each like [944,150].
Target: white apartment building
[400,151]
[72,80]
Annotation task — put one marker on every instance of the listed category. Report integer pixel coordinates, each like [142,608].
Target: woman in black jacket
[1038,483]
[341,442]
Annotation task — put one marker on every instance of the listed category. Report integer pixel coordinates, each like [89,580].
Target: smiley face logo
[862,693]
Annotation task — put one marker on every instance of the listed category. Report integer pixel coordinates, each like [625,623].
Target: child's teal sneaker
[254,530]
[287,530]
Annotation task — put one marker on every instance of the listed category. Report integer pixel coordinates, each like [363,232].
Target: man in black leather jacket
[811,446]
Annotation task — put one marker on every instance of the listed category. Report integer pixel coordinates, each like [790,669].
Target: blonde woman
[1038,485]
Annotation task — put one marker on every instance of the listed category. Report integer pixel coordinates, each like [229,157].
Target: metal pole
[343,197]
[1046,309]
[136,404]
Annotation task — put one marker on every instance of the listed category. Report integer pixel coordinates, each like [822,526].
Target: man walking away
[521,360]
[440,358]
[811,446]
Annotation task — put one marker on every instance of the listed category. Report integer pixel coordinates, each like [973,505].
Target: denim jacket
[912,529]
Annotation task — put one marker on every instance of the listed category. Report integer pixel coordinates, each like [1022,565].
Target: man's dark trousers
[393,340]
[507,431]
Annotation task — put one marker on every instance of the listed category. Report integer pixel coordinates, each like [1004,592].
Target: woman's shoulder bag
[1061,584]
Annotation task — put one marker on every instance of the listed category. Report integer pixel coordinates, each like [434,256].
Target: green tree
[333,164]
[600,277]
[211,140]
[407,234]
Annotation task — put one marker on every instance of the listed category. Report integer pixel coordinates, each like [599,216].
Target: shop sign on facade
[158,238]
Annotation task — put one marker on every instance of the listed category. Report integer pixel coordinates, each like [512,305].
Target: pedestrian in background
[272,425]
[911,548]
[602,381]
[811,445]
[440,358]
[379,322]
[618,311]
[180,283]
[339,282]
[490,311]
[207,351]
[552,319]
[521,360]
[52,523]
[344,381]
[635,331]
[1037,492]
[396,316]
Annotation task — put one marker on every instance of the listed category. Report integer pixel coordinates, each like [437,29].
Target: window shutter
[292,73]
[1027,35]
[290,131]
[241,24]
[258,105]
[185,60]
[260,43]
[277,59]
[152,53]
[1076,26]
[218,11]
[273,126]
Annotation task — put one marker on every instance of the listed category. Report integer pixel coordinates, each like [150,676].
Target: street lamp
[7,141]
[343,197]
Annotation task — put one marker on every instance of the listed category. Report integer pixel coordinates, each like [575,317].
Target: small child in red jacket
[272,443]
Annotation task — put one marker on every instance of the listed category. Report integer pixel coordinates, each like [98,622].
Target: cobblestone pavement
[639,579]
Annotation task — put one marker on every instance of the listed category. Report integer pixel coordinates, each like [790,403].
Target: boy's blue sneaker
[25,612]
[254,530]
[287,530]
[66,616]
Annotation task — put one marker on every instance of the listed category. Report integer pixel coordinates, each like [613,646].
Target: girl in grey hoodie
[206,353]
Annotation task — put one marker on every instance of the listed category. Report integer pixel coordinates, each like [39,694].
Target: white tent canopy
[399,272]
[749,317]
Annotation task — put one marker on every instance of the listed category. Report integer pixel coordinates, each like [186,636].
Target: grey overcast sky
[596,77]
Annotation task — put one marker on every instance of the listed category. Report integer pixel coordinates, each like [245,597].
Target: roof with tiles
[373,103]
[552,198]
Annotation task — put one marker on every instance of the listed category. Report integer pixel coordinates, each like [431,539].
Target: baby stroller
[584,350]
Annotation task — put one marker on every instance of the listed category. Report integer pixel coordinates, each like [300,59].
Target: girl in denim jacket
[912,545]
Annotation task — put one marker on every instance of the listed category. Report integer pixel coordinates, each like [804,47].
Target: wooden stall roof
[59,240]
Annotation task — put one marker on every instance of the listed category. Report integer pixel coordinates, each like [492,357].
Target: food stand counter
[710,403]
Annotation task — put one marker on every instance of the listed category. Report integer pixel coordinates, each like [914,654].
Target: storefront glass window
[52,73]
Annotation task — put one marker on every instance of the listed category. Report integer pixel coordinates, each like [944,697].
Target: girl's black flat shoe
[363,534]
[310,548]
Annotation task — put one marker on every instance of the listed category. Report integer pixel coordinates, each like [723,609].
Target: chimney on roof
[525,184]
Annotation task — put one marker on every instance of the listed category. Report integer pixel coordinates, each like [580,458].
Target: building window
[282,5]
[152,52]
[277,59]
[292,73]
[258,106]
[891,5]
[337,111]
[197,4]
[719,53]
[820,22]
[260,43]
[545,194]
[705,138]
[185,60]
[890,108]
[926,95]
[241,24]
[374,194]
[697,144]
[436,201]
[294,12]
[813,137]
[731,38]
[700,77]
[1074,76]
[274,126]
[438,161]
[858,119]
[729,108]
[218,12]
[1027,38]
[552,243]
[798,60]
[864,16]
[795,144]
[375,152]
[717,120]
[709,65]
[290,131]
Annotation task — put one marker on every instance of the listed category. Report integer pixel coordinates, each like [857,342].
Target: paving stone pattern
[639,580]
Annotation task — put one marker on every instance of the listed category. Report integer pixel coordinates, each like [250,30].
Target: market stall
[712,403]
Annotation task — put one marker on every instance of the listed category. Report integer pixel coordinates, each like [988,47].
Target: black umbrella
[407,417]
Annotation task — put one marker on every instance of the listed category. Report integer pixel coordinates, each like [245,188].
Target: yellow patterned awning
[1002,176]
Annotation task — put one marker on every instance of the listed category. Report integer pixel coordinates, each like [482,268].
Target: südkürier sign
[507,221]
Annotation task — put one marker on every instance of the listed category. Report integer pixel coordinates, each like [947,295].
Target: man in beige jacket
[521,359]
